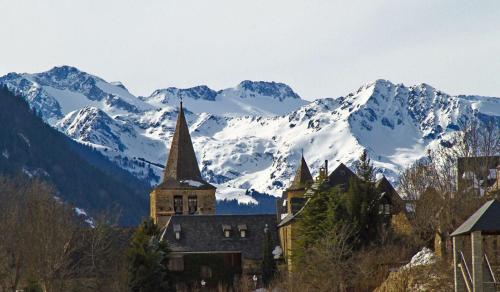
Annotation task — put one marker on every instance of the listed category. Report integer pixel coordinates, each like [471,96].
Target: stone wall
[162,203]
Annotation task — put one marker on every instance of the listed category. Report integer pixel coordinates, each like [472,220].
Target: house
[217,248]
[303,187]
[476,250]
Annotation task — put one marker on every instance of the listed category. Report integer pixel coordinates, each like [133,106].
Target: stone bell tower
[183,190]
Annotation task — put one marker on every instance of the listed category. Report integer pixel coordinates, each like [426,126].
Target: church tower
[183,190]
[295,193]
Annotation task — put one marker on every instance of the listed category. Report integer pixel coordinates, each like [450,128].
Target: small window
[178,205]
[242,228]
[192,204]
[177,231]
[381,208]
[227,230]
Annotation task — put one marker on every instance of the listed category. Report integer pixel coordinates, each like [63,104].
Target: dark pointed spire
[302,177]
[182,163]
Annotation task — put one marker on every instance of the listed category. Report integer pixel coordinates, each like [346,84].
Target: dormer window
[177,231]
[242,228]
[226,229]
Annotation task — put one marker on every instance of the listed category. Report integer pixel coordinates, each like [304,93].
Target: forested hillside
[81,175]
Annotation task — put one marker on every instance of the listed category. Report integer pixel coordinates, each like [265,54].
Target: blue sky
[320,48]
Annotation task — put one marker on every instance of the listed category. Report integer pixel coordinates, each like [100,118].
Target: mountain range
[250,136]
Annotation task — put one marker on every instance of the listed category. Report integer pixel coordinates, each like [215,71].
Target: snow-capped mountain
[63,89]
[250,136]
[247,98]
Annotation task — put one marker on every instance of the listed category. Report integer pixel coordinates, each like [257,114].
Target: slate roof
[182,171]
[486,219]
[384,186]
[340,177]
[204,233]
[303,177]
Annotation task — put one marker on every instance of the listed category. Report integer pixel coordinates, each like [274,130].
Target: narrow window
[192,204]
[387,209]
[178,205]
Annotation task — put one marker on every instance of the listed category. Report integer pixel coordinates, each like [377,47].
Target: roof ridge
[482,219]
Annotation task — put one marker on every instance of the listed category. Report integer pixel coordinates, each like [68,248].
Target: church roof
[383,185]
[205,233]
[486,219]
[340,177]
[302,177]
[182,169]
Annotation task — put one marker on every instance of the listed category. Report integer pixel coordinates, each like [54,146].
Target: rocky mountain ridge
[251,136]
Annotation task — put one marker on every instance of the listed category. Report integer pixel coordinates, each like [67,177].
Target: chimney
[326,167]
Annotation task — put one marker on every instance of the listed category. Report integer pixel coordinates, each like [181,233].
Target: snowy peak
[65,89]
[269,89]
[173,94]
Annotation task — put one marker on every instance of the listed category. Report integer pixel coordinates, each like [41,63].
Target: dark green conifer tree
[317,217]
[361,203]
[148,261]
